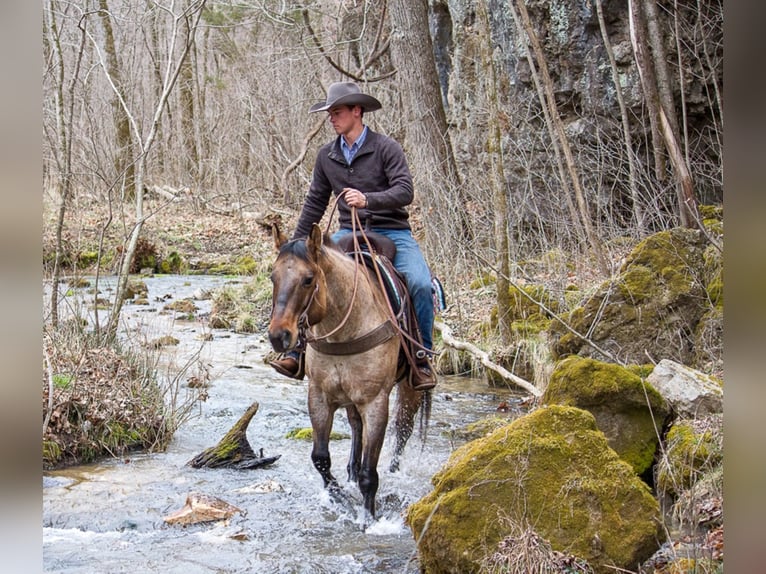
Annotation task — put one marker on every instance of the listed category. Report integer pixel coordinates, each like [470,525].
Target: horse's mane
[298,248]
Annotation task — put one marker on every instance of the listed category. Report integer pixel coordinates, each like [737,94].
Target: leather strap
[377,336]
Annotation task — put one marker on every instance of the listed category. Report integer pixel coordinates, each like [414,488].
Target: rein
[380,334]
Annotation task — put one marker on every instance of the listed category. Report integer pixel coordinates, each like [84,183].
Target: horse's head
[299,289]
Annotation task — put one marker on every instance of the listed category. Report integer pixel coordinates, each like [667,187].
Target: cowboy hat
[346,94]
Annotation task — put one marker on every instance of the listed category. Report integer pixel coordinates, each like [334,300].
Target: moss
[689,453]
[51,453]
[307,434]
[87,258]
[484,281]
[637,284]
[173,263]
[551,468]
[652,307]
[626,407]
[244,265]
[522,307]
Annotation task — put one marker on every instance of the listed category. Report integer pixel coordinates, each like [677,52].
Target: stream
[108,517]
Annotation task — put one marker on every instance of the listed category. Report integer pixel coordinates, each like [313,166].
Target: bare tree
[183,24]
[123,141]
[497,180]
[556,129]
[655,81]
[427,138]
[64,97]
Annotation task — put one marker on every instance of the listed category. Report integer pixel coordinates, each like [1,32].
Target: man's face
[343,118]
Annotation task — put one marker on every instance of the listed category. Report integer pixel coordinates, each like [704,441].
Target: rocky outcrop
[628,410]
[651,310]
[551,471]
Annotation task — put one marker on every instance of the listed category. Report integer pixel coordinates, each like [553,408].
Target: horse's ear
[314,242]
[279,237]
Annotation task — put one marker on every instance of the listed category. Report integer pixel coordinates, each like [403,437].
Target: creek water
[108,517]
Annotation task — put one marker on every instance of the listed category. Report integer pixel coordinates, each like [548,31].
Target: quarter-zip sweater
[379,170]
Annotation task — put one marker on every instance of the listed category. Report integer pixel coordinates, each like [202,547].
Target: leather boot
[289,365]
[422,378]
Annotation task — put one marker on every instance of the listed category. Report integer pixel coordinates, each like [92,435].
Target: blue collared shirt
[350,152]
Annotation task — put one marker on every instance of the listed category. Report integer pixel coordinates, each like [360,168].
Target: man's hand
[354,197]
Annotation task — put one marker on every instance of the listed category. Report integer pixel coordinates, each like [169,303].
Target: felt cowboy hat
[346,94]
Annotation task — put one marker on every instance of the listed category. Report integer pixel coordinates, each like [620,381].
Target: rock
[652,309]
[689,392]
[551,471]
[630,412]
[201,507]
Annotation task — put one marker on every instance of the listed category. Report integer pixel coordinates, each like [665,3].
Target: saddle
[383,252]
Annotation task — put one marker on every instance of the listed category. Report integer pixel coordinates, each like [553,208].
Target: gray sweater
[379,170]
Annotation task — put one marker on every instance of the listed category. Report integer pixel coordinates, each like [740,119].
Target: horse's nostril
[280,340]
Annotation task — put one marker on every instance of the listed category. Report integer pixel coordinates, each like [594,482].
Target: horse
[324,297]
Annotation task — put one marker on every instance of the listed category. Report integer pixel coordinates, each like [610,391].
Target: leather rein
[379,335]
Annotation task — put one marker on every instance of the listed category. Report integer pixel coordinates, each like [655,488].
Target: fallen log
[234,450]
[450,341]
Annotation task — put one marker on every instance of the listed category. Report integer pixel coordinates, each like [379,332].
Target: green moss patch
[629,411]
[551,470]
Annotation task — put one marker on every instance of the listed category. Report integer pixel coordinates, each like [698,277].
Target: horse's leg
[355,458]
[374,422]
[407,404]
[321,415]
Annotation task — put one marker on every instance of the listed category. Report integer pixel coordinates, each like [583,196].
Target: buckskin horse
[329,300]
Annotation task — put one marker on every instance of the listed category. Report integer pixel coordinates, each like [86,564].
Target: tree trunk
[497,180]
[662,117]
[427,140]
[638,212]
[123,161]
[63,149]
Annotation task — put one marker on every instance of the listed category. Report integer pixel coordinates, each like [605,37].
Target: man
[370,172]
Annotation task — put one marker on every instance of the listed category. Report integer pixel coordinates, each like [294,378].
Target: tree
[427,138]
[182,25]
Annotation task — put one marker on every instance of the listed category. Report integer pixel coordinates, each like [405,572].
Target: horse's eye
[308,281]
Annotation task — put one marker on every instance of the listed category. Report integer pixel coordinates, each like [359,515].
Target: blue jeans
[409,261]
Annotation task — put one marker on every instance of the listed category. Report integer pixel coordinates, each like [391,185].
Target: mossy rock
[484,281]
[173,263]
[628,410]
[551,470]
[653,307]
[136,288]
[693,448]
[307,434]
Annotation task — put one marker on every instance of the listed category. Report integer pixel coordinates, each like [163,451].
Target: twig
[542,306]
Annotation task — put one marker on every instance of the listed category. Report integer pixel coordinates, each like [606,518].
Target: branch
[545,308]
[297,161]
[332,62]
[450,341]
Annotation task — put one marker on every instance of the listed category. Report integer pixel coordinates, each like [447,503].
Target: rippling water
[108,518]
